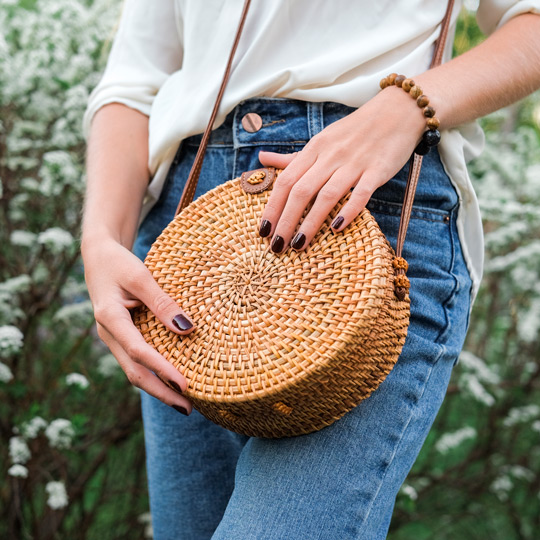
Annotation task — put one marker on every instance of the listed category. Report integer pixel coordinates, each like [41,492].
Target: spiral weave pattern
[285,343]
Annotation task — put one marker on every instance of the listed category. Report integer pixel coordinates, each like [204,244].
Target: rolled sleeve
[146,49]
[492,14]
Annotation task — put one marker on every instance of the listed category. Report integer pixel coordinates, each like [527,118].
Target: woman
[303,96]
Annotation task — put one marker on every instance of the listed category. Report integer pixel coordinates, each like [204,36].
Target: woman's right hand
[118,281]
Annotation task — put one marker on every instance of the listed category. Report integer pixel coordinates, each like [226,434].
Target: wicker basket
[285,343]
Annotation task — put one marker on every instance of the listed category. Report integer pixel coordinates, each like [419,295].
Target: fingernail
[265,228]
[182,323]
[180,409]
[175,386]
[298,240]
[277,244]
[336,224]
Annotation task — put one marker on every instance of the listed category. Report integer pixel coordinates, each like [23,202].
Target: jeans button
[251,122]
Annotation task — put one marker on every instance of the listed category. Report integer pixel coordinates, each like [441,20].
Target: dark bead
[422,149]
[432,137]
[429,111]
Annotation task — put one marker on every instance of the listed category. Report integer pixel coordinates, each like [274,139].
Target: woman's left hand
[363,151]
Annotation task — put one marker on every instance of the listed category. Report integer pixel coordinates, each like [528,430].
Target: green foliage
[74,467]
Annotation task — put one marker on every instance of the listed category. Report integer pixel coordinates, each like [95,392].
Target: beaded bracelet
[431,136]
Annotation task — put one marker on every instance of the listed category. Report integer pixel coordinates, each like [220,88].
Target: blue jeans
[340,482]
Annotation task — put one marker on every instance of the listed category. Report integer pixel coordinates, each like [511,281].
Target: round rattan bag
[285,344]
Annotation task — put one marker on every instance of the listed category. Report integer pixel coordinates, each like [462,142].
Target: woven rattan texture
[285,343]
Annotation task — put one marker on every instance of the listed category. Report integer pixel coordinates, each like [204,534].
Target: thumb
[164,307]
[273,159]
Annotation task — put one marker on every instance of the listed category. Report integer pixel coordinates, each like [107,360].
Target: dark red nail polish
[277,244]
[175,386]
[182,323]
[298,241]
[336,224]
[180,409]
[264,230]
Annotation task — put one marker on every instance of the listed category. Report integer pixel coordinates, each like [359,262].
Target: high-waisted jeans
[339,483]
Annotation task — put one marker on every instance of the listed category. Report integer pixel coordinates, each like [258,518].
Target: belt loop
[315,118]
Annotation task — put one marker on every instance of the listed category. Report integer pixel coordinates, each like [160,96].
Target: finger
[119,328]
[274,159]
[142,378]
[314,182]
[327,198]
[360,196]
[281,189]
[145,287]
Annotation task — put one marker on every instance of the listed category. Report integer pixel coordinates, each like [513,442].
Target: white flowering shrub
[71,452]
[71,448]
[479,471]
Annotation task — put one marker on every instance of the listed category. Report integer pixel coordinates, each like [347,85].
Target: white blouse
[168,57]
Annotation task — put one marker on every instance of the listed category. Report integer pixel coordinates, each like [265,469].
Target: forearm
[117,174]
[496,73]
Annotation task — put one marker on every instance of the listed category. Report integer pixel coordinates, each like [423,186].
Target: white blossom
[31,429]
[473,363]
[6,374]
[11,340]
[16,284]
[517,471]
[60,433]
[18,450]
[18,470]
[501,486]
[22,238]
[519,415]
[536,425]
[472,385]
[56,239]
[77,379]
[453,440]
[76,314]
[108,365]
[57,495]
[408,490]
[146,520]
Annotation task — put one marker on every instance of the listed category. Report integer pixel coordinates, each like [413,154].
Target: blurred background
[71,443]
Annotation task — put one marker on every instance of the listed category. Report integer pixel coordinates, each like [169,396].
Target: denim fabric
[340,482]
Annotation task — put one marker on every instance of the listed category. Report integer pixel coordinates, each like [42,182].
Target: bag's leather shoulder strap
[191,184]
[416,160]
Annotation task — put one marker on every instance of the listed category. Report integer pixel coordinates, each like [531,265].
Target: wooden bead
[384,83]
[392,78]
[398,81]
[429,112]
[415,92]
[407,84]
[423,101]
[433,123]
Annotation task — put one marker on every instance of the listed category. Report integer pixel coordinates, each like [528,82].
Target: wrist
[407,115]
[95,237]
[431,135]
